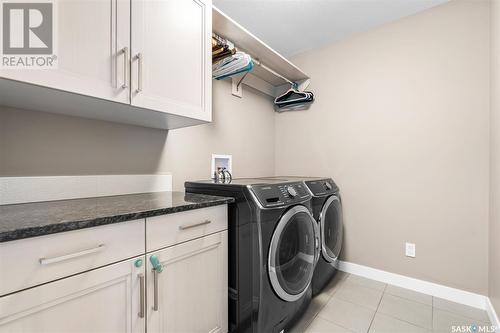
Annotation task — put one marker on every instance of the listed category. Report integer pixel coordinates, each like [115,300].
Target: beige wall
[494,231]
[401,123]
[35,143]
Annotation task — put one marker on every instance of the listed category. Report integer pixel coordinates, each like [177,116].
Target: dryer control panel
[276,195]
[322,187]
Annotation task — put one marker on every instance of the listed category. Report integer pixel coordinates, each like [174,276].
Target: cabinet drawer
[32,261]
[167,230]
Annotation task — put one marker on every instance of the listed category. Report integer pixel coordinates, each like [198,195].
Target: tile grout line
[363,306]
[315,316]
[310,323]
[358,285]
[407,299]
[405,321]
[376,310]
[319,310]
[456,313]
[432,310]
[339,325]
[384,292]
[461,315]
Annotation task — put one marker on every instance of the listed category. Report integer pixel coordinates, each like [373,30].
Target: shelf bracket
[236,88]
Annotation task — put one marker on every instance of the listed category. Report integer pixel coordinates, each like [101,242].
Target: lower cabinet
[187,286]
[106,299]
[180,287]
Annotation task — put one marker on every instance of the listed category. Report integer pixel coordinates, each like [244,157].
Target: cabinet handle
[139,72]
[188,226]
[142,295]
[157,269]
[125,67]
[47,261]
[155,289]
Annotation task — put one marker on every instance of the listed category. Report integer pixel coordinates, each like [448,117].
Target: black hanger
[293,95]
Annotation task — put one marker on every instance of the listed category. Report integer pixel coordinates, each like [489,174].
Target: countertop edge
[48,229]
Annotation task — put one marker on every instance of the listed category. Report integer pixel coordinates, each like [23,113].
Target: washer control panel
[280,194]
[291,191]
[322,187]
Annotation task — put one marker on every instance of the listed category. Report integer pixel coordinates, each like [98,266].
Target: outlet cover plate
[221,160]
[410,250]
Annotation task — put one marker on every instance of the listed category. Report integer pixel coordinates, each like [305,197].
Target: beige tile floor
[352,303]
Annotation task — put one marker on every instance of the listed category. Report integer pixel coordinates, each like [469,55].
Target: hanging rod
[257,62]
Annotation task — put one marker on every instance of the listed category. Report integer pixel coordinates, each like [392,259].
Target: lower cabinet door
[189,292]
[107,299]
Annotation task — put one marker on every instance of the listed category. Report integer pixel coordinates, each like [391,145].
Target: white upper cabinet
[91,37]
[141,62]
[171,56]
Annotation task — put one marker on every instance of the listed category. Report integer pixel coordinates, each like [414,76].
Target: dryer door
[292,254]
[331,228]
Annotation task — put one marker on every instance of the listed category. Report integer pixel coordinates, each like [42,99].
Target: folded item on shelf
[218,40]
[215,43]
[221,48]
[218,50]
[238,63]
[223,54]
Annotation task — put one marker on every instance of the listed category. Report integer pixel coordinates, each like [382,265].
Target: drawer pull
[47,261]
[188,226]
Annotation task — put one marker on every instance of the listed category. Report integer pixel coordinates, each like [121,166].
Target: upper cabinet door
[91,42]
[171,56]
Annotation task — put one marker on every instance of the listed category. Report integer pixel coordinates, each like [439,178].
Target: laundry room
[250,166]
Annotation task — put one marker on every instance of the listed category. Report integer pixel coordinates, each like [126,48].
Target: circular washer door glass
[332,229]
[292,253]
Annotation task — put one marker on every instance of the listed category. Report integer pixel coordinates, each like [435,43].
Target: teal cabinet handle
[138,263]
[157,266]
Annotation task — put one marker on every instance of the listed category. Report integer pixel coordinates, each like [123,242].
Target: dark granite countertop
[42,218]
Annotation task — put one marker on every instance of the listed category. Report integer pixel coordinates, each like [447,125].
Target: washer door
[292,255]
[331,228]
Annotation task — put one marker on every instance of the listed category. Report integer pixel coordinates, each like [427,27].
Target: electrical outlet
[410,250]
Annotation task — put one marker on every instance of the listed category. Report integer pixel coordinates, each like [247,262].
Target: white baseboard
[14,190]
[425,287]
[492,314]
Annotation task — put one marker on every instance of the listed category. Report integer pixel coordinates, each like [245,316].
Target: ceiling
[295,26]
